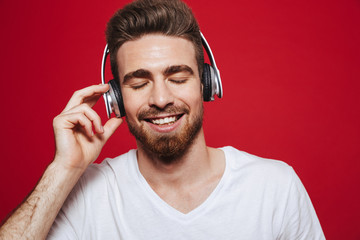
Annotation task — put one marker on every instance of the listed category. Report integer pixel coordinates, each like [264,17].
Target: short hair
[141,17]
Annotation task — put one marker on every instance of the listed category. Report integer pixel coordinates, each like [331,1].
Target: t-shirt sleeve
[70,219]
[300,220]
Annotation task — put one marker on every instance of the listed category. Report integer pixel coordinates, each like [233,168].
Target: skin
[167,76]
[184,184]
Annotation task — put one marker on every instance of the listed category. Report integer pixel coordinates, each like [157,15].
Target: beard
[167,147]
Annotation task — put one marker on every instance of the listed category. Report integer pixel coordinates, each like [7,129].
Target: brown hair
[141,17]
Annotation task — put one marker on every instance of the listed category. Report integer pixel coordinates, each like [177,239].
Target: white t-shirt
[256,198]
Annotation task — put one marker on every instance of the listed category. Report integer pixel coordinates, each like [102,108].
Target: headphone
[210,79]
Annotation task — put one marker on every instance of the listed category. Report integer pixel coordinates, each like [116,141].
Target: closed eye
[138,86]
[178,81]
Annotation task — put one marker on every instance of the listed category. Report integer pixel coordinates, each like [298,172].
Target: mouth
[163,121]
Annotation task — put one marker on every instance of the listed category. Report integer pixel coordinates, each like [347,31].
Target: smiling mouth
[165,120]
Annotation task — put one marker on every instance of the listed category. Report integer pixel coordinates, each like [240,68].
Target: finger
[90,94]
[72,120]
[90,114]
[110,126]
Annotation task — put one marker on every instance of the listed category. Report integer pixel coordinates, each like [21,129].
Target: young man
[173,186]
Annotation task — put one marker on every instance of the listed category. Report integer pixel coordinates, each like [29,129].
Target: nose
[161,95]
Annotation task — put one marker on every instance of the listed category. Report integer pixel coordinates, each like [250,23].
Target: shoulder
[273,186]
[97,182]
[257,168]
[99,174]
[240,159]
[92,200]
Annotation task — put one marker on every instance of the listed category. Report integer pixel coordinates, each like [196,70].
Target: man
[173,186]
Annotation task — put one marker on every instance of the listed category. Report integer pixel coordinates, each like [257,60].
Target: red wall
[290,70]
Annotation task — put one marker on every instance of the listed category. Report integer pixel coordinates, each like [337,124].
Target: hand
[77,145]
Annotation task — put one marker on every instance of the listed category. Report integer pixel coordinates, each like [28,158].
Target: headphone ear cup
[117,97]
[207,82]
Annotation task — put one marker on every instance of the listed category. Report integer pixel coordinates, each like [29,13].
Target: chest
[187,198]
[139,216]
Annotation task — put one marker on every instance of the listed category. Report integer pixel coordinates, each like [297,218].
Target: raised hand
[79,134]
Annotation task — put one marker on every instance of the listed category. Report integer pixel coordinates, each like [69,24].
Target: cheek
[191,95]
[132,103]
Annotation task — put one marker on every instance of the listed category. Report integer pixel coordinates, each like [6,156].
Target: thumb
[110,126]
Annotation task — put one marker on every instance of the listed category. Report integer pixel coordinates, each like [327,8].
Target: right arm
[77,146]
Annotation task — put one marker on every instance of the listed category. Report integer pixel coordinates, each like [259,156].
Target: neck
[189,180]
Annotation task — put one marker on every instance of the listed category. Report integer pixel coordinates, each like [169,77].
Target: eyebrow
[176,69]
[140,73]
[143,73]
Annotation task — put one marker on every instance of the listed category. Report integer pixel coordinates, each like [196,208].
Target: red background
[290,73]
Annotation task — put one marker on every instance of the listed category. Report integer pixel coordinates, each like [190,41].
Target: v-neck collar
[167,209]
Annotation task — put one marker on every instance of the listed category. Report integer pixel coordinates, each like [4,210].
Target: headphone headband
[106,96]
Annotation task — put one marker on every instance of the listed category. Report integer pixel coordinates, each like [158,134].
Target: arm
[77,146]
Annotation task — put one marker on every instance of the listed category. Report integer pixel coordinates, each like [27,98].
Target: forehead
[155,52]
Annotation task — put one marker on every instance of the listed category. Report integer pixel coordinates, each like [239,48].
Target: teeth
[162,121]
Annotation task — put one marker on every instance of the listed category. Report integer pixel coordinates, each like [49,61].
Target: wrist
[65,170]
[67,165]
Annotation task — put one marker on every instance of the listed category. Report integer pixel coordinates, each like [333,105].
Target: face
[161,90]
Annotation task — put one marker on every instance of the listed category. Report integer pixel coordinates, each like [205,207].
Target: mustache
[155,111]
